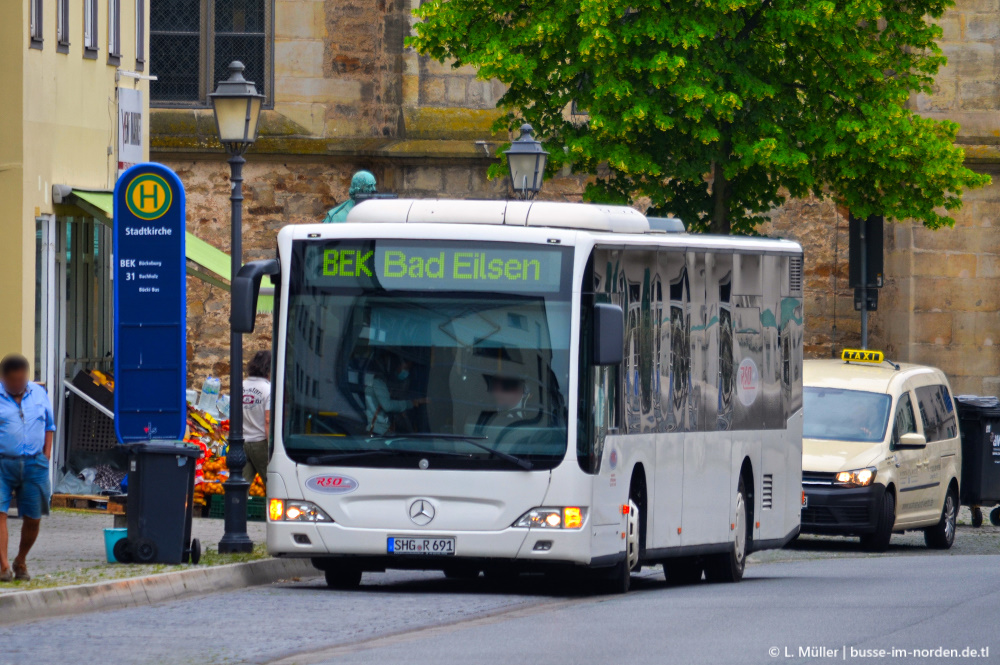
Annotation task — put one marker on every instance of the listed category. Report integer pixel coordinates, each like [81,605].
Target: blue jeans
[28,479]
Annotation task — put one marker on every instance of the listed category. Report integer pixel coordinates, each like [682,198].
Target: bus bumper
[523,546]
[842,511]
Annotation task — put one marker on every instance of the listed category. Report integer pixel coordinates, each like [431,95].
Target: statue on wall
[362,187]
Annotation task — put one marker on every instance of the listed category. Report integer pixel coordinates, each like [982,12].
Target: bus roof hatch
[590,217]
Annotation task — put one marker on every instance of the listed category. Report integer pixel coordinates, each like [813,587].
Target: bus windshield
[427,354]
[844,415]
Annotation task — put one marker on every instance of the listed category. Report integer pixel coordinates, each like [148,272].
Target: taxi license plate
[805,500]
[433,545]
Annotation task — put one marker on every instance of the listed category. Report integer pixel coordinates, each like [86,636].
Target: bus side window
[905,422]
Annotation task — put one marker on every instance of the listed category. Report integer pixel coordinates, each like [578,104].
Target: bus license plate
[432,546]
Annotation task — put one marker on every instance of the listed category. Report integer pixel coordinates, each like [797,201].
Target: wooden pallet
[97,504]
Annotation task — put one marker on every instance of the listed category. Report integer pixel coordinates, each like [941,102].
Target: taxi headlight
[567,517]
[295,511]
[856,477]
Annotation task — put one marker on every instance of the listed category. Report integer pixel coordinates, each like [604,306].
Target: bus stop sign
[150,305]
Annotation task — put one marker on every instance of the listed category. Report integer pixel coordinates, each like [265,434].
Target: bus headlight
[568,517]
[857,477]
[295,511]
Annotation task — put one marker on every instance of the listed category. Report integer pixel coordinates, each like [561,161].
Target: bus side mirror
[609,334]
[246,288]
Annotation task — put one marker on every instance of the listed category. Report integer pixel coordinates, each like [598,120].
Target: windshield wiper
[334,457]
[474,441]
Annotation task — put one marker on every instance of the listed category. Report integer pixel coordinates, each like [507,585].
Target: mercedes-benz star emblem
[421,512]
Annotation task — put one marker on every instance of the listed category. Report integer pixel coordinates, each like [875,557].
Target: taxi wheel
[343,578]
[995,516]
[941,536]
[879,541]
[729,567]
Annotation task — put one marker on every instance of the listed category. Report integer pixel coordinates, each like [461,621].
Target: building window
[36,23]
[114,32]
[90,29]
[140,34]
[62,26]
[215,32]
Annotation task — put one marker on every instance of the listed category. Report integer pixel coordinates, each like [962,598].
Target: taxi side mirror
[911,441]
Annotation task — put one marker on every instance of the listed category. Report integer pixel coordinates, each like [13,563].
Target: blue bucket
[112,536]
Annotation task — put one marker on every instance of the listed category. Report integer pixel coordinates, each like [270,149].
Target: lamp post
[236,104]
[526,160]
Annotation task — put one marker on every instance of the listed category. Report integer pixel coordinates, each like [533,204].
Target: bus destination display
[422,266]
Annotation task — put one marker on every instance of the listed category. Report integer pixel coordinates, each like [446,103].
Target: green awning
[210,264]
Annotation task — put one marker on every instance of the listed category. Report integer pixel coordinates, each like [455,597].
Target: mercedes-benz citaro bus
[504,387]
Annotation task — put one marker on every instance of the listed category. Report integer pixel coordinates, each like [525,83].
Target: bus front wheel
[619,578]
[342,577]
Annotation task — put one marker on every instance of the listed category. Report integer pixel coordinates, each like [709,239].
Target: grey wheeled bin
[158,510]
[979,421]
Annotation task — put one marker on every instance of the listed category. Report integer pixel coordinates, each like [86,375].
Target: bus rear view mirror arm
[246,288]
[609,334]
[911,440]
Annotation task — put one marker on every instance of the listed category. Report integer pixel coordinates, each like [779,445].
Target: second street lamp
[526,159]
[236,104]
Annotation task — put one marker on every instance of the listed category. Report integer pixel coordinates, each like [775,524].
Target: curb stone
[47,603]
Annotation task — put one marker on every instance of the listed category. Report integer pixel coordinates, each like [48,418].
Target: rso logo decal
[332,484]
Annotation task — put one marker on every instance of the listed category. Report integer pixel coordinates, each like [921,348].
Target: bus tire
[683,570]
[461,573]
[729,566]
[941,536]
[878,541]
[977,516]
[343,578]
[619,578]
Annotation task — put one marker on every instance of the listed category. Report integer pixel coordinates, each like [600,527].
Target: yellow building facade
[75,91]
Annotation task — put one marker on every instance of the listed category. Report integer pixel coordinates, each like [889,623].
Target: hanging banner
[130,121]
[150,305]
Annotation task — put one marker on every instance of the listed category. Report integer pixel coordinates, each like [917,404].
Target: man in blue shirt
[26,432]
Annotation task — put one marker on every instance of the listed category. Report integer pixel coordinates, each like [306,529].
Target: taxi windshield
[844,415]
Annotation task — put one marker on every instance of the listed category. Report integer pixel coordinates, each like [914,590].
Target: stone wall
[348,95]
[821,228]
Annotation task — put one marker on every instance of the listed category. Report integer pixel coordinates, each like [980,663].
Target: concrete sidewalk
[70,547]
[70,573]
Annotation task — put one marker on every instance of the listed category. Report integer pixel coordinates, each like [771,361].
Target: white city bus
[498,387]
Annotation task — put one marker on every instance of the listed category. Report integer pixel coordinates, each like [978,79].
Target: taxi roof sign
[862,356]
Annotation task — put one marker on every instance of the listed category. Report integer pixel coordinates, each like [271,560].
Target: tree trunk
[720,199]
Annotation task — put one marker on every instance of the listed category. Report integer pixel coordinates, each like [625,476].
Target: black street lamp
[236,104]
[526,160]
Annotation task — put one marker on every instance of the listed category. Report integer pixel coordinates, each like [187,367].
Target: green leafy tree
[718,110]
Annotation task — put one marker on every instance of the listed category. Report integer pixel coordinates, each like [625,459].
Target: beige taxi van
[881,452]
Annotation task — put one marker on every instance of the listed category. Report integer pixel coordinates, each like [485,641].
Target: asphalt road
[812,597]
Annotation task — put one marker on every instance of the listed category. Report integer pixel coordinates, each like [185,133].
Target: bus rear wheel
[683,570]
[729,566]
